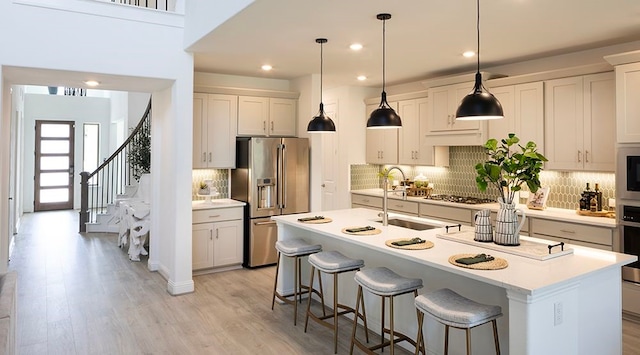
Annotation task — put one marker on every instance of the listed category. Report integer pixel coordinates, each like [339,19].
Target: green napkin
[402,243]
[307,219]
[480,258]
[359,229]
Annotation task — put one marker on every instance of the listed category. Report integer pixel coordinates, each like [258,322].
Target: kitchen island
[566,305]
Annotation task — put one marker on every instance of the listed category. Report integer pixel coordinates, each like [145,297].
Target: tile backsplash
[220,179]
[459,179]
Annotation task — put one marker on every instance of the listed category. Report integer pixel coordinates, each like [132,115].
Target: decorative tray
[527,248]
[609,214]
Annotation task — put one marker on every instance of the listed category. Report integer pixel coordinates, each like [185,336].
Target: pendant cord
[321,65]
[383,53]
[478,31]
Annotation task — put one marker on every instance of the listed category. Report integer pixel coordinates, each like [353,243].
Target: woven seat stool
[387,284]
[296,249]
[333,263]
[453,310]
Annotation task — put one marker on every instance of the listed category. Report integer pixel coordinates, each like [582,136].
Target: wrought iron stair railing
[100,188]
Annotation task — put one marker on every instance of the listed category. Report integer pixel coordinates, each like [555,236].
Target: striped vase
[507,224]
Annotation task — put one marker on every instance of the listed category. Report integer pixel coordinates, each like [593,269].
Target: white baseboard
[180,288]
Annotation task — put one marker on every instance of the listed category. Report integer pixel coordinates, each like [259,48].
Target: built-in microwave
[628,172]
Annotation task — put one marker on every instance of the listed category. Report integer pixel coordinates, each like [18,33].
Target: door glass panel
[54,179]
[54,195]
[54,163]
[54,130]
[54,147]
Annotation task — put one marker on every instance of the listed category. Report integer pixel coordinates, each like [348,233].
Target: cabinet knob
[322,185]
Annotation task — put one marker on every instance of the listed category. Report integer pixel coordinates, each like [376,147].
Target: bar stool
[386,284]
[294,248]
[453,310]
[334,263]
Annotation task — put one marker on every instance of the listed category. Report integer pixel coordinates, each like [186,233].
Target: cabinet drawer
[403,206]
[462,215]
[366,200]
[216,214]
[572,231]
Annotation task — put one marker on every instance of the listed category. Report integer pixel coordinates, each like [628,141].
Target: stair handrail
[87,214]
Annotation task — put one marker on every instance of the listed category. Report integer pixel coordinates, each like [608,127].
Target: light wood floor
[79,294]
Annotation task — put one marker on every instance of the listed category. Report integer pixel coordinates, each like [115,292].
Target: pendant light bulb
[479,104]
[384,116]
[321,123]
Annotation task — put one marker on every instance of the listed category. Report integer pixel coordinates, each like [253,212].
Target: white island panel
[584,285]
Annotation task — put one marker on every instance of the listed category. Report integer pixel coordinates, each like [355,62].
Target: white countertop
[559,214]
[215,203]
[523,274]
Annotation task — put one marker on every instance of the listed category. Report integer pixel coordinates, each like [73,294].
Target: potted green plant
[508,167]
[140,156]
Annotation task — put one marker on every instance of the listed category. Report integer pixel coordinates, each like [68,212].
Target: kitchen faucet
[385,214]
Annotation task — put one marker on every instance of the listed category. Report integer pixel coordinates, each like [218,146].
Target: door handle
[271,126]
[579,156]
[204,157]
[586,156]
[217,233]
[209,157]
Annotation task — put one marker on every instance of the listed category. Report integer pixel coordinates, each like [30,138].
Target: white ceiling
[424,38]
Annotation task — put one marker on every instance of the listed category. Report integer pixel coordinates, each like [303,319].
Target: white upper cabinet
[579,121]
[382,144]
[628,103]
[414,148]
[444,104]
[214,130]
[264,116]
[523,107]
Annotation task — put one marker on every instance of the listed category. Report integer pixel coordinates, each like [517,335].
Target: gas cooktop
[460,199]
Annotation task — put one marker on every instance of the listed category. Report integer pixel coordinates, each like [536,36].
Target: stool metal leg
[468,331]
[324,312]
[382,321]
[306,318]
[335,313]
[296,288]
[391,336]
[275,283]
[495,336]
[446,340]
[419,336]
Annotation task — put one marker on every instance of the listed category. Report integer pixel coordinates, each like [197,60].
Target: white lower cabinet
[217,238]
[572,233]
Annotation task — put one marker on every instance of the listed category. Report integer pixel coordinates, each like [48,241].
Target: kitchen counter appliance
[272,177]
[630,242]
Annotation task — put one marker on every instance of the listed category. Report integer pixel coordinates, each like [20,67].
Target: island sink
[409,224]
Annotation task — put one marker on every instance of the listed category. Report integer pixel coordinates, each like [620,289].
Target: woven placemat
[426,245]
[371,232]
[495,264]
[318,221]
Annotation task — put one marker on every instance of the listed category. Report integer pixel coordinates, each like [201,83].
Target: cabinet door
[282,117]
[222,118]
[501,128]
[456,94]
[382,144]
[227,243]
[564,123]
[529,113]
[627,103]
[199,131]
[202,246]
[253,115]
[440,120]
[409,134]
[599,115]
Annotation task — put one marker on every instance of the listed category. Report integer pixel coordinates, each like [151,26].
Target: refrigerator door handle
[264,223]
[283,180]
[280,179]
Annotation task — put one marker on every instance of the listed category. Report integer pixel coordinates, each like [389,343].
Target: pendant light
[479,104]
[384,116]
[321,123]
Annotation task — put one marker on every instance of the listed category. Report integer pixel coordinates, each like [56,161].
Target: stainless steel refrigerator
[272,177]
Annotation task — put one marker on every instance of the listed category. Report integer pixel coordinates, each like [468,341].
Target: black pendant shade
[321,123]
[479,104]
[384,116]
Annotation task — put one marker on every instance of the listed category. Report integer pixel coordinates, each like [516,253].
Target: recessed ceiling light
[267,67]
[362,77]
[92,83]
[356,46]
[468,54]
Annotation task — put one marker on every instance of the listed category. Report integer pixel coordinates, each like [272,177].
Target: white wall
[237,81]
[137,104]
[95,38]
[203,16]
[80,109]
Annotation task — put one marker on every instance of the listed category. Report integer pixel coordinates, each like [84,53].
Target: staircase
[115,179]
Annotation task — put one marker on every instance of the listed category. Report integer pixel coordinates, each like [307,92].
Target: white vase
[483,229]
[507,224]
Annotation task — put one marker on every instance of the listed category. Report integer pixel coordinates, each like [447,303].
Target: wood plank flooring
[80,294]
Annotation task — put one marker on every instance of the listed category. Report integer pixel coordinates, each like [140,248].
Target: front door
[54,165]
